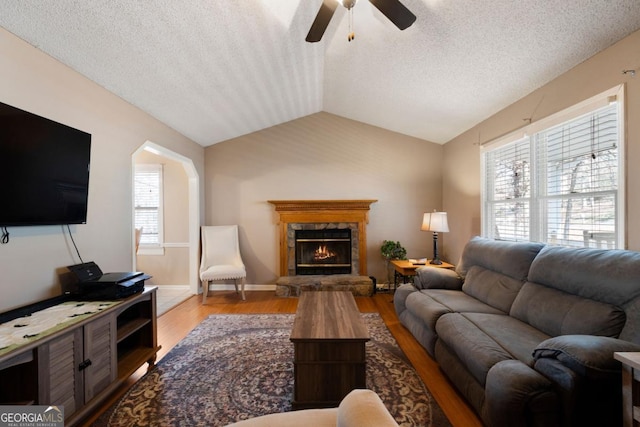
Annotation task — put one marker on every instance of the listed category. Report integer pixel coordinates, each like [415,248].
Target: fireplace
[323,251]
[345,216]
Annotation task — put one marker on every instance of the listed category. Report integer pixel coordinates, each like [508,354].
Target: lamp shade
[435,221]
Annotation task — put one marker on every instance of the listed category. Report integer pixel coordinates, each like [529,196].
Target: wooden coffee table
[329,339]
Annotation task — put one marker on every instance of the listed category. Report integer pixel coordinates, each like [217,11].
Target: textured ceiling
[214,70]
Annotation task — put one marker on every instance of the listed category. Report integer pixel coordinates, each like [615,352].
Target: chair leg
[205,290]
[242,286]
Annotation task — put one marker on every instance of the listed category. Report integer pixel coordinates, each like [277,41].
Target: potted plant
[392,250]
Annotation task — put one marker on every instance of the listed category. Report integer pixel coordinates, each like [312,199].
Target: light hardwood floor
[175,324]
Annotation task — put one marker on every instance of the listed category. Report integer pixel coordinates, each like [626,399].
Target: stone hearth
[323,214]
[292,286]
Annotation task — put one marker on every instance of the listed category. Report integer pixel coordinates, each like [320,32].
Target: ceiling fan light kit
[395,11]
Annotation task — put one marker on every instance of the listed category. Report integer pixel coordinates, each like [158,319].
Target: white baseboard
[176,287]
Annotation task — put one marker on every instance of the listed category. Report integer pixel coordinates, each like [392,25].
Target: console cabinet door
[78,365]
[99,348]
[61,381]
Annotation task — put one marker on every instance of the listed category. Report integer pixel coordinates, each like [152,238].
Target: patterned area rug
[233,367]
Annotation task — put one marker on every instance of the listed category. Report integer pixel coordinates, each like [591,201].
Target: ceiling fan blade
[396,12]
[321,22]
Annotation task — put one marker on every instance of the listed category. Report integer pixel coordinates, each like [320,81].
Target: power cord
[74,244]
[5,236]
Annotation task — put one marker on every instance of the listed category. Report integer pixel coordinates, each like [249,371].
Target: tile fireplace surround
[302,214]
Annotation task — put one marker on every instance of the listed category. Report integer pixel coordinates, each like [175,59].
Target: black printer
[92,283]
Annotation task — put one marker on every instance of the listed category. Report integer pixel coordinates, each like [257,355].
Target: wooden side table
[405,268]
[630,387]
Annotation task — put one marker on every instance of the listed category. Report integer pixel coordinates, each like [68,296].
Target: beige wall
[323,156]
[461,171]
[31,261]
[172,268]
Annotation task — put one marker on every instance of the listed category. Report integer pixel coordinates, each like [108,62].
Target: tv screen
[44,170]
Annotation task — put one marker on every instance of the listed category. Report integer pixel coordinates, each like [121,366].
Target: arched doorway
[193,216]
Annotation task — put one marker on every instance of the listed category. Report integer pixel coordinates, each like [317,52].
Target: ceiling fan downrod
[352,33]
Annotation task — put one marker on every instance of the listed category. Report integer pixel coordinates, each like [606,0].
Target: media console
[80,361]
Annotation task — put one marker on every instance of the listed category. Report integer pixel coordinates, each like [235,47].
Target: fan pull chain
[352,34]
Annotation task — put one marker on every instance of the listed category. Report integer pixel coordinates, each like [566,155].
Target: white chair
[221,258]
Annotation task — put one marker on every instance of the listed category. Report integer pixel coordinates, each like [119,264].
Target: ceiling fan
[392,9]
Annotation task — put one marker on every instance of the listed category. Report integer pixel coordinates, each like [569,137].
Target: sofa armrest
[588,355]
[516,395]
[362,407]
[437,278]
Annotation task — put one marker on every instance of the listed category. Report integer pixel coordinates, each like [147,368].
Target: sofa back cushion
[558,313]
[510,258]
[494,270]
[493,288]
[610,277]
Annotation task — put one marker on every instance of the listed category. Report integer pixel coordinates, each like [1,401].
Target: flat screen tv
[44,170]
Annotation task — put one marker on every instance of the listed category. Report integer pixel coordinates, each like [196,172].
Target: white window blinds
[148,203]
[579,179]
[508,183]
[561,185]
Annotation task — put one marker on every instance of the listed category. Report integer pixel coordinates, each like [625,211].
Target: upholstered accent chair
[359,408]
[221,259]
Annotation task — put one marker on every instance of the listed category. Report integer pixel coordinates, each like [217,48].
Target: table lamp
[437,223]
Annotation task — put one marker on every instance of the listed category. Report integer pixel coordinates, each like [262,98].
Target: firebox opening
[323,251]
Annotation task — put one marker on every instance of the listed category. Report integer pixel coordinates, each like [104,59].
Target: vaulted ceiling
[214,70]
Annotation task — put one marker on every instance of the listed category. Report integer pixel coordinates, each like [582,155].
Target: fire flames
[323,253]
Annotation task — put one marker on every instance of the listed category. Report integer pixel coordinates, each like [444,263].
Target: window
[561,180]
[148,208]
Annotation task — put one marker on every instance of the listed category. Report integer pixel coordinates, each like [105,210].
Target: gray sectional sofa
[526,332]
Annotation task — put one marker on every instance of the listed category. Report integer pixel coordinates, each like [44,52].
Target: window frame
[537,222]
[146,248]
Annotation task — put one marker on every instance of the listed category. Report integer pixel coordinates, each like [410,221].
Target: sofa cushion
[515,337]
[560,313]
[459,301]
[510,258]
[609,276]
[429,304]
[425,308]
[494,288]
[480,340]
[477,350]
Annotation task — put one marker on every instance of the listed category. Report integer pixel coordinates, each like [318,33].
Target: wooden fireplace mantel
[323,211]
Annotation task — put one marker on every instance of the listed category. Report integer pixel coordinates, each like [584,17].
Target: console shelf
[130,328]
[78,366]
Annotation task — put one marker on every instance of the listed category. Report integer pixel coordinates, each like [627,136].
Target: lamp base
[435,260]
